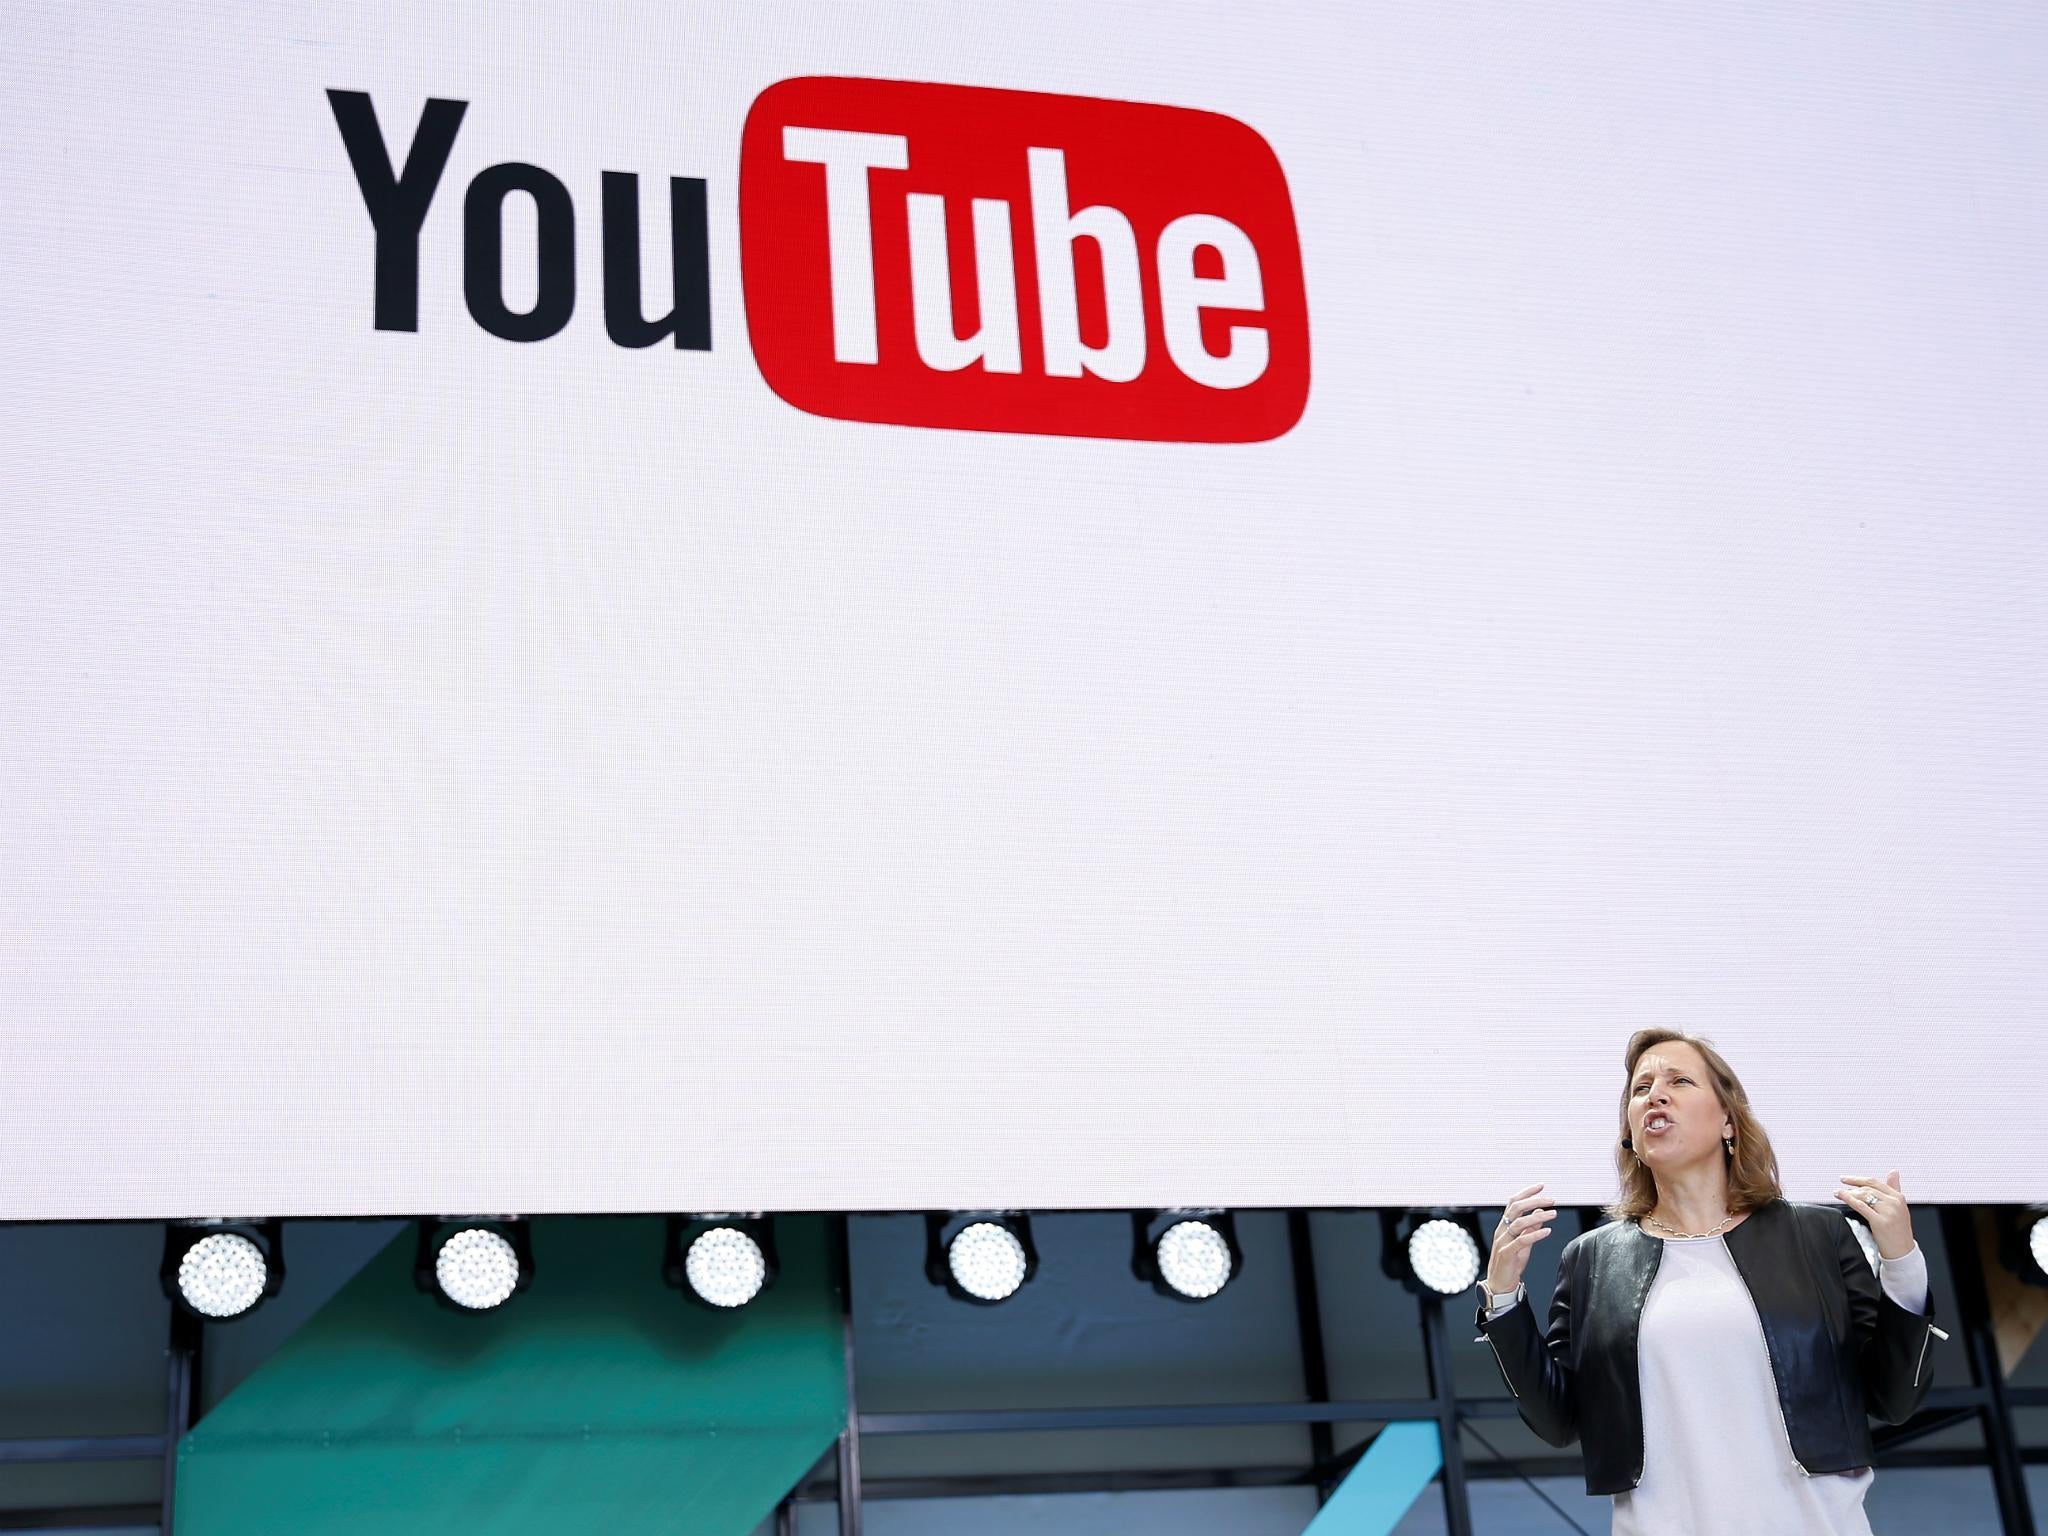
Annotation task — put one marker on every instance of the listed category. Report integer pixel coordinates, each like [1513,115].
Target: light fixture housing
[219,1270]
[982,1257]
[720,1260]
[473,1265]
[1433,1252]
[1186,1254]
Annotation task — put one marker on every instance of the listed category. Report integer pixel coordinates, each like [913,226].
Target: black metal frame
[1988,1401]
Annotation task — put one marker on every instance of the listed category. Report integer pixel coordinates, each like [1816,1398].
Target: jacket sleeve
[1891,1343]
[1536,1365]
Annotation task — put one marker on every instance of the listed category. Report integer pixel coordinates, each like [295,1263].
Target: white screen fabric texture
[444,773]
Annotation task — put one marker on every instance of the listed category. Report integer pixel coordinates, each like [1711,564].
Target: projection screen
[877,607]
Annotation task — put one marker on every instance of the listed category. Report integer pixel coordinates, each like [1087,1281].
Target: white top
[1716,1454]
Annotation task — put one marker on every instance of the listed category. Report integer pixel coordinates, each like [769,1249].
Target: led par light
[221,1270]
[1433,1252]
[980,1256]
[721,1261]
[476,1265]
[1188,1255]
[2023,1241]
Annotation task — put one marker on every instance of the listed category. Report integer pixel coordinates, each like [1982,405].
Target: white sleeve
[1504,1305]
[1905,1279]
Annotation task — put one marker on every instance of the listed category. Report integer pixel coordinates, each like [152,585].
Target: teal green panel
[1388,1478]
[598,1400]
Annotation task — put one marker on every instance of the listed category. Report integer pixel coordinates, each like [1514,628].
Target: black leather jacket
[1840,1348]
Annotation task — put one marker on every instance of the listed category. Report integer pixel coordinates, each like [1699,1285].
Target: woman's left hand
[1879,1202]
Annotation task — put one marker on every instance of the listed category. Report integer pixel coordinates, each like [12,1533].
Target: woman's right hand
[1524,1224]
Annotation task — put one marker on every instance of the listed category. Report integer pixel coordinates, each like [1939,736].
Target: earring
[1728,1142]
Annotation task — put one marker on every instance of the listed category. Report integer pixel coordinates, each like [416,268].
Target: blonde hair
[1752,1167]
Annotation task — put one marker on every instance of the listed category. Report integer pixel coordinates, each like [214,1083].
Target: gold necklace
[1713,1231]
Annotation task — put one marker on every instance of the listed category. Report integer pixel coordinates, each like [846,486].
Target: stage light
[2023,1241]
[1188,1255]
[980,1256]
[476,1268]
[987,1260]
[1444,1256]
[1194,1259]
[222,1275]
[221,1270]
[720,1260]
[725,1267]
[1433,1252]
[473,1266]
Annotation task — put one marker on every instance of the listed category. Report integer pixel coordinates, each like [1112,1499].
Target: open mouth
[1656,1125]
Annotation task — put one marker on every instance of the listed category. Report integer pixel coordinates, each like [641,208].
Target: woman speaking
[1716,1349]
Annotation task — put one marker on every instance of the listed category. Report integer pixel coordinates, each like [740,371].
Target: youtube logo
[1006,261]
[918,255]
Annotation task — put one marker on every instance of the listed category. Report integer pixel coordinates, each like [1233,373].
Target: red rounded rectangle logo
[1007,261]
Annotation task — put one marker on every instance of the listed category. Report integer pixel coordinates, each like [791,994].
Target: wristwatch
[1492,1303]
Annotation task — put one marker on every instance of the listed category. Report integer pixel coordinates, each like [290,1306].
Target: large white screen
[439,773]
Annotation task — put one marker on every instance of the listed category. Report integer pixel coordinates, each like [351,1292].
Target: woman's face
[1674,1115]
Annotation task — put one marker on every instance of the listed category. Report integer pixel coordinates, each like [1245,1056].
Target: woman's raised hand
[1524,1224]
[1880,1203]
